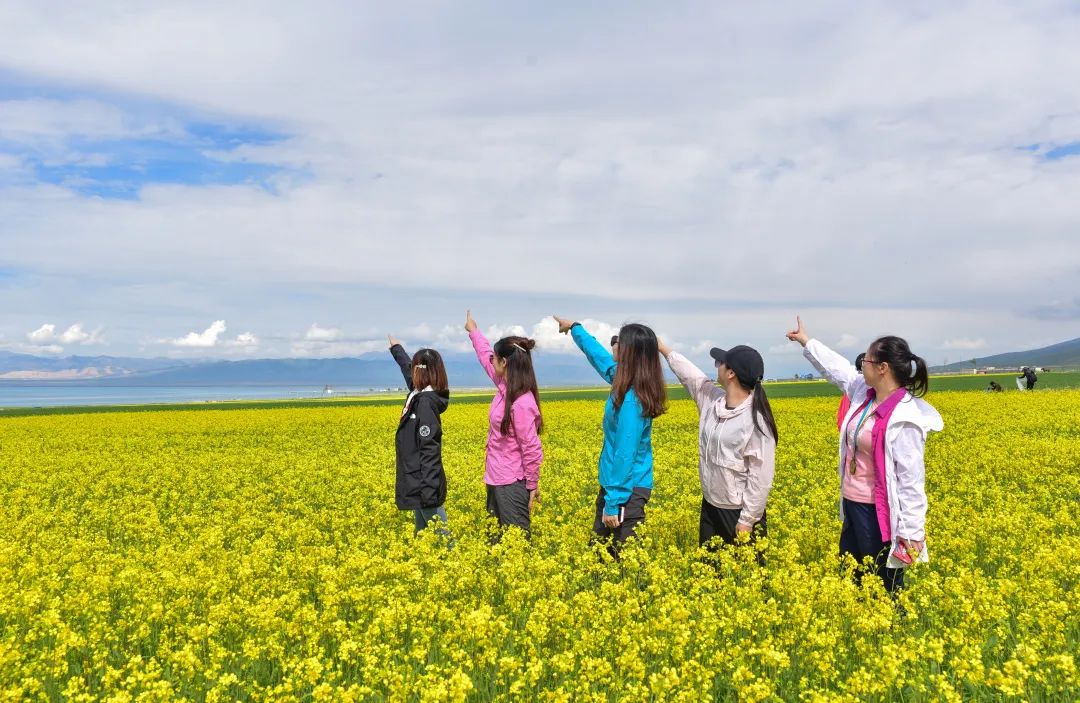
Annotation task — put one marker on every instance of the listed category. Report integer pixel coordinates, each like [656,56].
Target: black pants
[721,522]
[861,537]
[632,513]
[510,505]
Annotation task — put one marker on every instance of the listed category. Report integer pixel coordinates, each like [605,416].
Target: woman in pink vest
[882,445]
[514,453]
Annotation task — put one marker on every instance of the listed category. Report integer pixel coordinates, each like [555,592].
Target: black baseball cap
[745,361]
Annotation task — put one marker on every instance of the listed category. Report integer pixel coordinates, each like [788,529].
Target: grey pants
[510,505]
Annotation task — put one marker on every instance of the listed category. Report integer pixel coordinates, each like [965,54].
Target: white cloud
[206,338]
[448,338]
[77,335]
[42,335]
[964,344]
[421,331]
[47,336]
[847,341]
[702,347]
[245,343]
[322,334]
[496,332]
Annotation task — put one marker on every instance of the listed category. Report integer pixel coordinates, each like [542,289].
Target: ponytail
[762,411]
[920,381]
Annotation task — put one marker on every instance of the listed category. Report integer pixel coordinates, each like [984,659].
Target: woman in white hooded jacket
[882,445]
[736,442]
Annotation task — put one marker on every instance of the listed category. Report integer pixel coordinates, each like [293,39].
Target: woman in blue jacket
[637,396]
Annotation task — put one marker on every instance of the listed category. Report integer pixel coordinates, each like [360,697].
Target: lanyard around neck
[858,426]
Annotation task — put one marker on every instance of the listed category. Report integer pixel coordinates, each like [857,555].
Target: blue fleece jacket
[626,461]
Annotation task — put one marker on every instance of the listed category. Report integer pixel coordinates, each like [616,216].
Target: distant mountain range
[1061,354]
[375,370]
[30,367]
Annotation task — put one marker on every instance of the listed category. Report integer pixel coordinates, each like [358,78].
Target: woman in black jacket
[421,481]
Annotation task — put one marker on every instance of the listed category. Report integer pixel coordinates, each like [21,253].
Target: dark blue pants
[861,537]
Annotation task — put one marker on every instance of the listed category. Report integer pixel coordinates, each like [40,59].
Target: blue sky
[190,179]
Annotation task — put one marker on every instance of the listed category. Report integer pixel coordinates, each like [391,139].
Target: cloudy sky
[277,178]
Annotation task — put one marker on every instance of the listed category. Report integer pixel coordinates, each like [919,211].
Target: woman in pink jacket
[514,453]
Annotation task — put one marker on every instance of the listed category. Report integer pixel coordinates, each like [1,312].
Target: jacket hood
[441,399]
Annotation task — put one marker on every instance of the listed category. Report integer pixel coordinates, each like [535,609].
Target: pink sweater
[516,455]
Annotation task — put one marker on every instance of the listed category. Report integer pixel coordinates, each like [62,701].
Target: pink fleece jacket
[516,455]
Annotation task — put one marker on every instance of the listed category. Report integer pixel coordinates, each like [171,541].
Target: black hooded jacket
[421,481]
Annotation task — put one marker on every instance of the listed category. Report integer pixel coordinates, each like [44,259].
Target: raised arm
[404,361]
[481,346]
[701,387]
[835,368]
[597,354]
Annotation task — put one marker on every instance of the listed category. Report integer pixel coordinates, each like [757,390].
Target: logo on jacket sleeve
[425,431]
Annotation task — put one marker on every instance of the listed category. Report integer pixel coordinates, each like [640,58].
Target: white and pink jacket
[911,421]
[518,454]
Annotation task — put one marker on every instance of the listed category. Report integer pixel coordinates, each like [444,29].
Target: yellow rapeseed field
[257,554]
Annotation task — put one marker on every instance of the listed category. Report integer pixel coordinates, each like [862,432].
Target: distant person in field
[638,395]
[1028,374]
[882,447]
[737,439]
[513,454]
[845,402]
[421,481]
[994,387]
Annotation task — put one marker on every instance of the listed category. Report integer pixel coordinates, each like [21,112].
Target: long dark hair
[761,409]
[433,374]
[896,352]
[639,368]
[520,376]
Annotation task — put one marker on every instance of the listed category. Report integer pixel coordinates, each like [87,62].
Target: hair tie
[518,346]
[420,366]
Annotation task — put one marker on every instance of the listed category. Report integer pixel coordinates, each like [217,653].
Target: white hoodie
[736,461]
